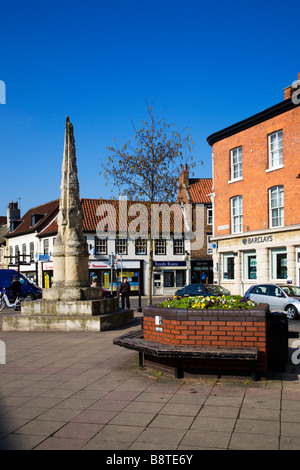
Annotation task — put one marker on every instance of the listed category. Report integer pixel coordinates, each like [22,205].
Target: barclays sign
[260,239]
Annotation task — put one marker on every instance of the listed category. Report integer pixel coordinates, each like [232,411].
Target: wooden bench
[135,340]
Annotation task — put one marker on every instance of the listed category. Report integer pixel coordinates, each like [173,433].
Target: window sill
[235,180]
[275,168]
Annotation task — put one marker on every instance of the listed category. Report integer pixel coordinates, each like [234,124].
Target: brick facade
[259,250]
[256,179]
[196,191]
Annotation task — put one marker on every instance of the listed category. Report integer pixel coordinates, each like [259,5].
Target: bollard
[139,309]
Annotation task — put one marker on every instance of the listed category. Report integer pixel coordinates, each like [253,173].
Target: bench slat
[134,340]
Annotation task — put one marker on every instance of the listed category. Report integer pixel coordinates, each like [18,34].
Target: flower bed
[212,302]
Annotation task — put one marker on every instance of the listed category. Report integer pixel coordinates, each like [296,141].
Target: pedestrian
[15,289]
[95,282]
[124,291]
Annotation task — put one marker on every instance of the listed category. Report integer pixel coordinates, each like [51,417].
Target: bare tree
[148,169]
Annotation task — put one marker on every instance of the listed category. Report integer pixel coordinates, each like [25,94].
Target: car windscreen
[291,290]
[216,290]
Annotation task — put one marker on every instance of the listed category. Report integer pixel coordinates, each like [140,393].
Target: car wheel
[29,296]
[291,312]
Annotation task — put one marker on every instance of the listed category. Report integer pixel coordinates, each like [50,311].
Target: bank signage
[260,239]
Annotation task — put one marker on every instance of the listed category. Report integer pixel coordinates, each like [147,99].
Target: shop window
[160,246]
[178,246]
[228,266]
[168,278]
[180,278]
[278,263]
[249,265]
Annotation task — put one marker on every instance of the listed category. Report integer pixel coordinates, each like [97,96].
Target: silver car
[276,298]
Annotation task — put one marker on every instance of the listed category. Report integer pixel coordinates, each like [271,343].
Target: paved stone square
[78,390]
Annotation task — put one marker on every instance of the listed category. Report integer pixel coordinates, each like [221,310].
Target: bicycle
[5,301]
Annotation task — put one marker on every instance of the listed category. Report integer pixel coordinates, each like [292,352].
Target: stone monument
[70,252]
[70,304]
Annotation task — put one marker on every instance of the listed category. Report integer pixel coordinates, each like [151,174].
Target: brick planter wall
[209,328]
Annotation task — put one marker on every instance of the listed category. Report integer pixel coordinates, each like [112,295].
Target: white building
[30,246]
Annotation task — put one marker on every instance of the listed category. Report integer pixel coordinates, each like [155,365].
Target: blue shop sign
[44,257]
[168,264]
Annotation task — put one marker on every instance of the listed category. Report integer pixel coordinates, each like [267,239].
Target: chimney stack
[288,91]
[184,177]
[13,213]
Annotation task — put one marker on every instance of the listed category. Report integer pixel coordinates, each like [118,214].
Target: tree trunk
[150,280]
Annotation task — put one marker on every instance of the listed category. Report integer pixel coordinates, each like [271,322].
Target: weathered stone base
[109,321]
[82,315]
[71,307]
[69,293]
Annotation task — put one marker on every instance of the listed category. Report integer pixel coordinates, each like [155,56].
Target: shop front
[240,262]
[108,277]
[29,270]
[202,271]
[111,277]
[168,276]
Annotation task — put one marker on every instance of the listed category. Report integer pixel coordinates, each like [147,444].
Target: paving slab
[79,391]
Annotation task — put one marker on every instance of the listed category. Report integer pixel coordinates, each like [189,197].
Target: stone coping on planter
[258,313]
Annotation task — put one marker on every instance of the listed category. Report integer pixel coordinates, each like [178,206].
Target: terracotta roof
[47,225]
[46,212]
[91,219]
[199,190]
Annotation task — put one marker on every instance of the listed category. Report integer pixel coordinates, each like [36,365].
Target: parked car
[292,291]
[276,297]
[193,290]
[29,290]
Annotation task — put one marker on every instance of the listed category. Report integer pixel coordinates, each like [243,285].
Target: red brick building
[256,197]
[196,192]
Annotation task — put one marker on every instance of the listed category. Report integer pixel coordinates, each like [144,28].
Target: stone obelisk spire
[70,253]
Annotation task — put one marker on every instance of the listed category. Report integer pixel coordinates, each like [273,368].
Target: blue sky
[206,64]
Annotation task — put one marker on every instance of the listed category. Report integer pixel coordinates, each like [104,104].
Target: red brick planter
[211,329]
